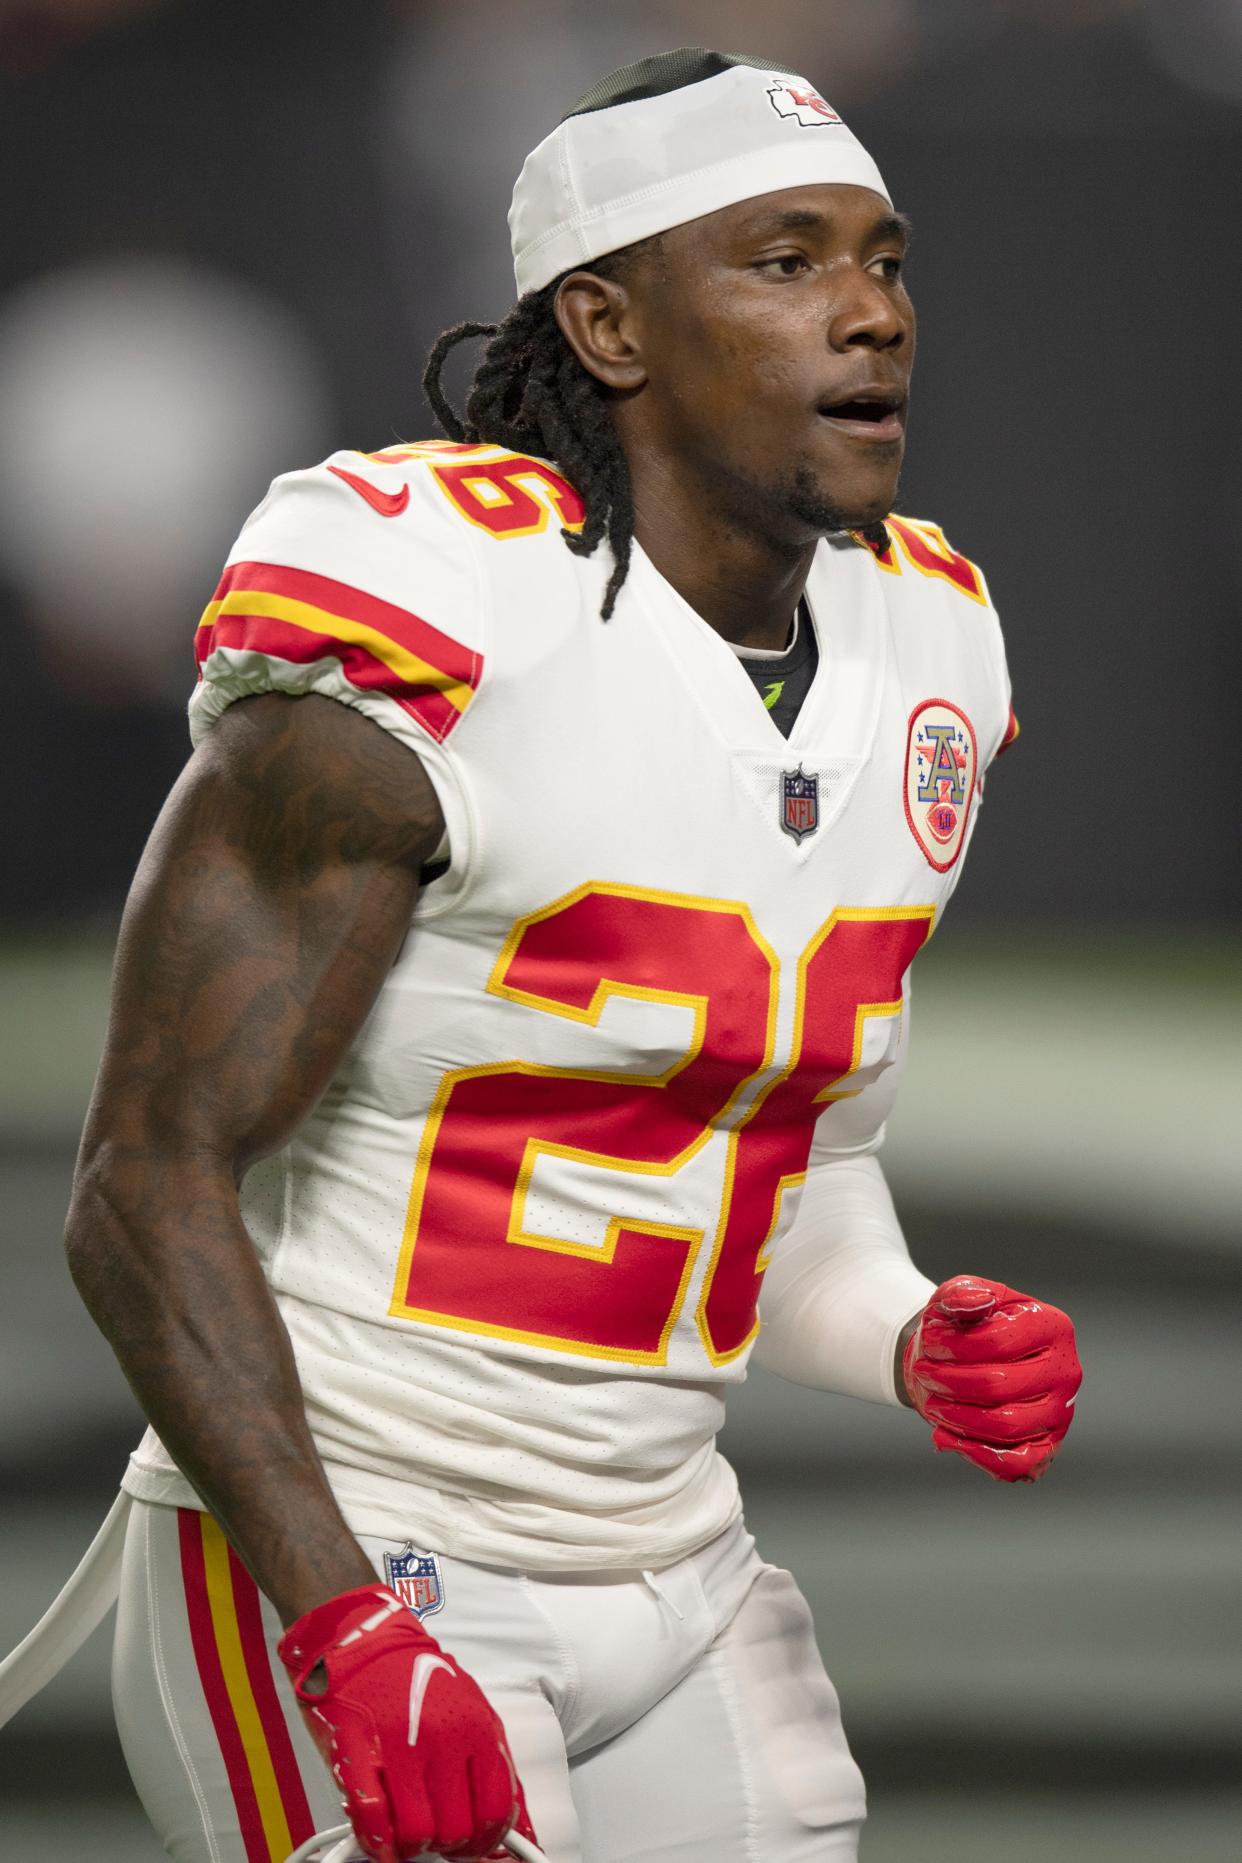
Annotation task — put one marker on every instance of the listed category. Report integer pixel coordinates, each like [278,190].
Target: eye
[891,266]
[785,264]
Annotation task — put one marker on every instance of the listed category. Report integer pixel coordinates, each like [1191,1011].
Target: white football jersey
[518,1245]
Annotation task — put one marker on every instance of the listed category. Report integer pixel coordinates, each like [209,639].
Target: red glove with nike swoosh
[996,1373]
[415,1746]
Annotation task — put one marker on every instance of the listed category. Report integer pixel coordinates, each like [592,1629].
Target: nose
[866,314]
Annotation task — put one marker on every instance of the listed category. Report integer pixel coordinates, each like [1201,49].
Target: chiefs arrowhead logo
[388,504]
[941,766]
[798,101]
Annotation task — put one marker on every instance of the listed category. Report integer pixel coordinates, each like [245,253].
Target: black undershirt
[783,680]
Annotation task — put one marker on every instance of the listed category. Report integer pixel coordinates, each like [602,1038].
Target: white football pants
[676,1717]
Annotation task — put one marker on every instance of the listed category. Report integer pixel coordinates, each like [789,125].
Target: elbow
[109,1214]
[126,1212]
[90,1226]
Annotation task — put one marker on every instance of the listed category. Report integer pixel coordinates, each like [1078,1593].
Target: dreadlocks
[531,394]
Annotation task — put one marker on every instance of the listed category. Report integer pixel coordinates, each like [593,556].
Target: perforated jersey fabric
[519,1244]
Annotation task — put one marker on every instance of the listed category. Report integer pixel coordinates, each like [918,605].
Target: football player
[515,978]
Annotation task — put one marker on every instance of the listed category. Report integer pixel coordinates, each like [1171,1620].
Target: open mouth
[878,417]
[865,407]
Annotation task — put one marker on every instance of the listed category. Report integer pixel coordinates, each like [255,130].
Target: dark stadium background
[227,235]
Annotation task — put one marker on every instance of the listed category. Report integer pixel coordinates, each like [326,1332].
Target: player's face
[777,340]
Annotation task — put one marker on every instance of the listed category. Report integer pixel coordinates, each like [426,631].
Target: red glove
[996,1373]
[415,1746]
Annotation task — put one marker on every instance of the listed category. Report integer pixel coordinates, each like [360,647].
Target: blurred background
[228,234]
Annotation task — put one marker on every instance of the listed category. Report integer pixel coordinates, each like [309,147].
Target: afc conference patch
[799,803]
[941,772]
[416,1579]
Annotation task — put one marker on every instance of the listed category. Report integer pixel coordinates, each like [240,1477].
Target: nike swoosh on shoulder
[424,1668]
[388,504]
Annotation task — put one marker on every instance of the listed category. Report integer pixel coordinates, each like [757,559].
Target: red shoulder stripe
[1012,729]
[296,615]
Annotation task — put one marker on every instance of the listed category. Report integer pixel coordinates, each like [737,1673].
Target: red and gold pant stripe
[235,1669]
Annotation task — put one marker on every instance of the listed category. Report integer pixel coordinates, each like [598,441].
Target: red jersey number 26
[470,1261]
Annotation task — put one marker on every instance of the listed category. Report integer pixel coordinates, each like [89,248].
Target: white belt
[84,1601]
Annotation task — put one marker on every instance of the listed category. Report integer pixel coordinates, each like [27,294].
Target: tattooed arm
[267,911]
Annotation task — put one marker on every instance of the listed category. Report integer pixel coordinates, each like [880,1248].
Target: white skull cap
[664,141]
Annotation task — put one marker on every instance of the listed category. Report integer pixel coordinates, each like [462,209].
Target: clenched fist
[996,1373]
[415,1746]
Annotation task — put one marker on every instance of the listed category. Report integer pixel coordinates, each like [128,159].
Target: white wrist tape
[841,1286]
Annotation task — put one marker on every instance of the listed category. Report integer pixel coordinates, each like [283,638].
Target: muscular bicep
[269,906]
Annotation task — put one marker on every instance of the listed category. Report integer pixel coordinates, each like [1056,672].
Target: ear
[597,319]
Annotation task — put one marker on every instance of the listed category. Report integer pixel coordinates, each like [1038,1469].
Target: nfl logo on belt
[799,803]
[415,1577]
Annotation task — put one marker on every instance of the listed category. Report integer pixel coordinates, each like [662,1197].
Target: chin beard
[805,501]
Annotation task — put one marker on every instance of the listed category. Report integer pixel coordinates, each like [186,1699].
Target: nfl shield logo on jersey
[941,767]
[799,803]
[415,1577]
